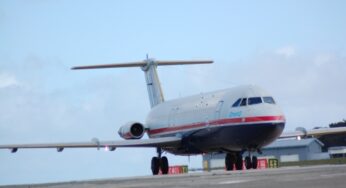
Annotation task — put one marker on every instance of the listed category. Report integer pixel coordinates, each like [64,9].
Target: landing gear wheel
[254,162]
[229,162]
[164,165]
[239,162]
[248,163]
[155,165]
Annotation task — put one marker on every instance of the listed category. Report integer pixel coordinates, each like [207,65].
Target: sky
[294,49]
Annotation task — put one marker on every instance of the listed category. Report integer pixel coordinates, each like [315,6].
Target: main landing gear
[158,163]
[234,161]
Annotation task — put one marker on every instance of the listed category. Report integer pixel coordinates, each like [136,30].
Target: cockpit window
[268,100]
[254,100]
[236,103]
[243,102]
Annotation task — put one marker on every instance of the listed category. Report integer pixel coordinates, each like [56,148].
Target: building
[295,150]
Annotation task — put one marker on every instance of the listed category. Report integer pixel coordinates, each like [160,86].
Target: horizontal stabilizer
[115,65]
[143,64]
[148,66]
[184,62]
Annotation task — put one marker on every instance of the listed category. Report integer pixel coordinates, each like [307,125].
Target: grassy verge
[315,162]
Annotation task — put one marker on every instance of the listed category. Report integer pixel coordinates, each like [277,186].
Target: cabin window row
[253,101]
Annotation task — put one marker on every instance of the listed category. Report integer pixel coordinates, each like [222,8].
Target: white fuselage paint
[210,109]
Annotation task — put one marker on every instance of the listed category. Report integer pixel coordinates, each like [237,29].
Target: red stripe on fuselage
[219,122]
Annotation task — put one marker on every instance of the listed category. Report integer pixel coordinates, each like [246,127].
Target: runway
[314,177]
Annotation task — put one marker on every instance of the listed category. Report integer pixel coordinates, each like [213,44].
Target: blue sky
[294,49]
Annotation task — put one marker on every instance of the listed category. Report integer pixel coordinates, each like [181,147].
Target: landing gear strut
[158,163]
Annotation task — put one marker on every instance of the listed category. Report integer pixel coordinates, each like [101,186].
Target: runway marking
[333,175]
[232,182]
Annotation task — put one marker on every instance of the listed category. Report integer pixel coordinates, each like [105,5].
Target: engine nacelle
[132,130]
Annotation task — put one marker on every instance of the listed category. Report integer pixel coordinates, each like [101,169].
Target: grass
[314,162]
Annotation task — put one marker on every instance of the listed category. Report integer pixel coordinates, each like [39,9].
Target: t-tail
[149,67]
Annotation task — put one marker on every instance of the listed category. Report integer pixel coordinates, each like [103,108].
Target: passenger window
[254,100]
[236,103]
[243,102]
[268,100]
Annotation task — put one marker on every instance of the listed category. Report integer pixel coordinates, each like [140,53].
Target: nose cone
[270,109]
[277,120]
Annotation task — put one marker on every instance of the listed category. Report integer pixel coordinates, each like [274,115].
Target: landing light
[106,148]
[110,148]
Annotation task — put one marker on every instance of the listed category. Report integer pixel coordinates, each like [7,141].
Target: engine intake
[131,130]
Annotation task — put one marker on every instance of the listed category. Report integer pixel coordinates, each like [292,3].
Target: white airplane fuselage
[208,122]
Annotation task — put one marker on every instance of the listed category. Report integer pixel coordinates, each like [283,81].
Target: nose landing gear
[235,159]
[250,162]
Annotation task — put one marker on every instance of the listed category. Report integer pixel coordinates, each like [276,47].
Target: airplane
[237,121]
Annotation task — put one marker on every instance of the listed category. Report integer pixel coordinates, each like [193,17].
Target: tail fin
[149,67]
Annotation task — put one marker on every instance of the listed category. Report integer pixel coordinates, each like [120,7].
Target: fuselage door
[218,109]
[172,116]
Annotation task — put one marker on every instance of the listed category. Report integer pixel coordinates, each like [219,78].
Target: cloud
[322,59]
[8,80]
[286,51]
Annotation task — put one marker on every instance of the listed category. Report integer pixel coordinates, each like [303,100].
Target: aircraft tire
[248,163]
[229,162]
[239,162]
[155,165]
[164,165]
[254,162]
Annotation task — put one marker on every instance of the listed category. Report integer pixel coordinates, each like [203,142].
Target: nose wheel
[234,161]
[159,163]
[251,162]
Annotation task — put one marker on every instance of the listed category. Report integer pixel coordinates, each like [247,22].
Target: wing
[164,142]
[314,132]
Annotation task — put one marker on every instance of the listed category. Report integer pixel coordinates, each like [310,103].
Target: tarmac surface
[305,177]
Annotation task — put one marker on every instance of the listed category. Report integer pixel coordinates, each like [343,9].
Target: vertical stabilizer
[149,66]
[153,83]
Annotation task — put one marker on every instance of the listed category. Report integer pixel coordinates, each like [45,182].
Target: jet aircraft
[238,121]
